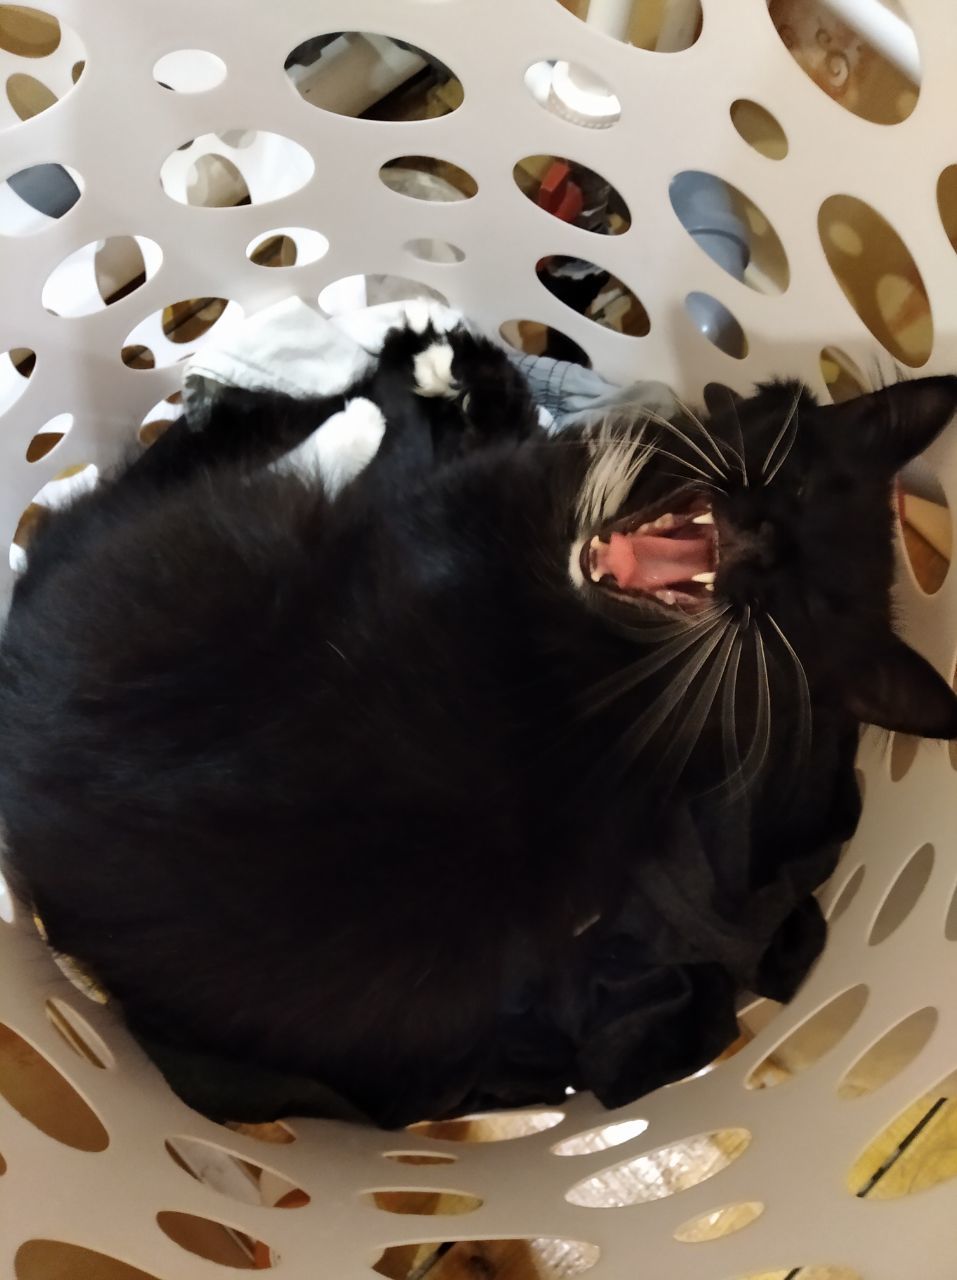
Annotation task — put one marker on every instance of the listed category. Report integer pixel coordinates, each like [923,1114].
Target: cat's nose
[757,545]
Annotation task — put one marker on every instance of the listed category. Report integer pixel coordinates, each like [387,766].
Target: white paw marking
[340,449]
[422,312]
[433,371]
[417,315]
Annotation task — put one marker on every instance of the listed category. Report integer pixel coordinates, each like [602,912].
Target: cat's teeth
[706,578]
[666,597]
[667,521]
[594,572]
[705,518]
[709,586]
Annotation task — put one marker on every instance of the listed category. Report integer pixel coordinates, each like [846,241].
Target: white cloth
[294,349]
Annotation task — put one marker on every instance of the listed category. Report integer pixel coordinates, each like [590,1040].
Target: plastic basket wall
[85,1126]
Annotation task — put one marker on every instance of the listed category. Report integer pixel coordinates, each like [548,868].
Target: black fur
[331,788]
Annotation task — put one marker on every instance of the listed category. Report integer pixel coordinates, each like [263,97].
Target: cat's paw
[339,449]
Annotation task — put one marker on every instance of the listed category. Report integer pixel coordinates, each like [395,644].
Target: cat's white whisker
[792,415]
[717,445]
[804,701]
[661,421]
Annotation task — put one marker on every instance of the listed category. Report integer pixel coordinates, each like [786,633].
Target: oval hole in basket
[430,250]
[542,340]
[810,1040]
[594,293]
[492,1126]
[947,202]
[573,193]
[719,1223]
[137,356]
[352,293]
[28,32]
[903,895]
[809,1272]
[423,1203]
[29,96]
[846,67]
[427,178]
[287,247]
[360,73]
[913,1151]
[601,1138]
[189,71]
[16,369]
[215,1241]
[894,1051]
[841,375]
[927,535]
[35,197]
[715,322]
[847,894]
[759,128]
[78,1034]
[99,274]
[730,228]
[32,1085]
[544,1257]
[904,750]
[72,480]
[184,325]
[159,419]
[574,93]
[49,436]
[239,1178]
[878,276]
[275,1132]
[203,173]
[418,1157]
[663,1172]
[659,28]
[57,1260]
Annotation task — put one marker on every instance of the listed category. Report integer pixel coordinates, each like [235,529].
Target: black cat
[385,756]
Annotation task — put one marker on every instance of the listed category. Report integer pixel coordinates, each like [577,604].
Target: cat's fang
[594,572]
[706,578]
[666,597]
[706,517]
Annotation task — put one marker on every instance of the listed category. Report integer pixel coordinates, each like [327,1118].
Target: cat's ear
[895,688]
[898,422]
[720,399]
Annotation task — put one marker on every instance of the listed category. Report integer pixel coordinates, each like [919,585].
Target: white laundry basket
[749,1170]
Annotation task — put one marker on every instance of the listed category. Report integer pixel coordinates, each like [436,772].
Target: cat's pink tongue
[641,562]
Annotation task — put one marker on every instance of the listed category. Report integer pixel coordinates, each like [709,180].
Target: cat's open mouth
[669,556]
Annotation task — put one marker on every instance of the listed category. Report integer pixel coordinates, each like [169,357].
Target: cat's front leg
[471,391]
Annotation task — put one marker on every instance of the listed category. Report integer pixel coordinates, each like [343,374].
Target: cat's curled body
[346,769]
